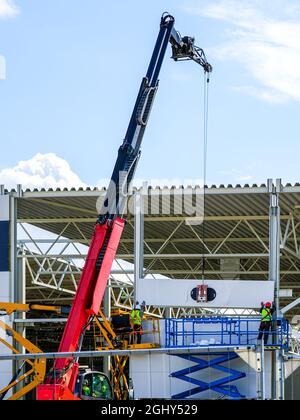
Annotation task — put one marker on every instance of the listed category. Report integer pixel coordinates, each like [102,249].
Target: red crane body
[87,302]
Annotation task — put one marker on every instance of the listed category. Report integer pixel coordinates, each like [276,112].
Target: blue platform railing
[221,331]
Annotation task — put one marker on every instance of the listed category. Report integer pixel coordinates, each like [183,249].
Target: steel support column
[107,313]
[274,275]
[138,243]
[20,297]
[13,248]
[260,369]
[274,238]
[7,269]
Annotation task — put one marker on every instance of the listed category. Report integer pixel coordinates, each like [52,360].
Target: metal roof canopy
[236,226]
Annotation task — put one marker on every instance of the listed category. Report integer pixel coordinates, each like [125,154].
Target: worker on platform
[136,322]
[267,309]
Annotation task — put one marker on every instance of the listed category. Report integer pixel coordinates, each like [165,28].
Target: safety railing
[120,334]
[222,331]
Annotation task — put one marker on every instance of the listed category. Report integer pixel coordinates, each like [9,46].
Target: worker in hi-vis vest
[267,309]
[136,322]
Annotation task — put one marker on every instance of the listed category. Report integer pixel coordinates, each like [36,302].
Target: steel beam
[152,219]
[95,354]
[151,256]
[290,306]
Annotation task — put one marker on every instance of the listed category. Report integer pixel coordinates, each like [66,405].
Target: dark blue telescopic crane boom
[183,49]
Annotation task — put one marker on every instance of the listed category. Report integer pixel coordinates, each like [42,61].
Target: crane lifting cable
[205,146]
[202,293]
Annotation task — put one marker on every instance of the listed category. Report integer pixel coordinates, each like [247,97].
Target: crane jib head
[166,19]
[183,48]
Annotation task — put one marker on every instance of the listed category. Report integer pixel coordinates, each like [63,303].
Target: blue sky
[73,70]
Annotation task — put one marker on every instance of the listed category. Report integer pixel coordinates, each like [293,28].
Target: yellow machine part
[118,363]
[37,369]
[9,308]
[110,341]
[143,346]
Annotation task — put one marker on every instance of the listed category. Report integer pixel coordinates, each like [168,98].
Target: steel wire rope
[205,152]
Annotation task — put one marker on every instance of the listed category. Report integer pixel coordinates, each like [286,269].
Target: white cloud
[265,38]
[8,9]
[42,171]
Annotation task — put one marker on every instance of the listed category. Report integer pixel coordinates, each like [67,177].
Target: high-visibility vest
[136,317]
[266,315]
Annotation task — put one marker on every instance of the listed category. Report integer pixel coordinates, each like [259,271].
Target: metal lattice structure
[236,243]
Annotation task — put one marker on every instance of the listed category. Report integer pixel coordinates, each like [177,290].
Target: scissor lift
[222,334]
[223,385]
